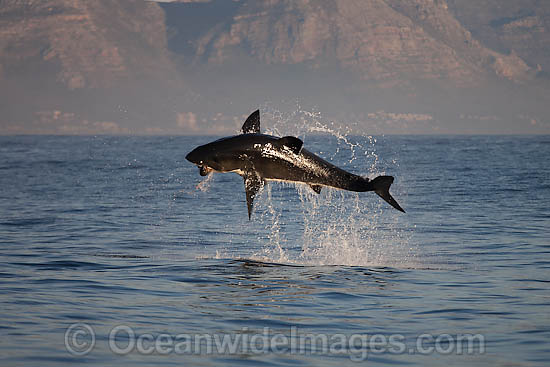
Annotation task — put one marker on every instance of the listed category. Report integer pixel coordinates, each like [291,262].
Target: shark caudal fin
[381,186]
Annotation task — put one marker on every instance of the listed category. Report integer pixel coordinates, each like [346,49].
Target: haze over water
[122,232]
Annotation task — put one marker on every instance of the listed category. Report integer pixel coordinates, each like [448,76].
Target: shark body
[259,158]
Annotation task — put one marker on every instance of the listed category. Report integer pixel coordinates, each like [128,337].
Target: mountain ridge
[73,66]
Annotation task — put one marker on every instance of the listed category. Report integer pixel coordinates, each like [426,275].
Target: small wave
[121,256]
[131,167]
[24,222]
[64,265]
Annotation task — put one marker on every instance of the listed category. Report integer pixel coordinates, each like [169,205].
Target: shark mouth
[205,170]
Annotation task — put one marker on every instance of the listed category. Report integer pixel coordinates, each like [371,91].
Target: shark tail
[381,186]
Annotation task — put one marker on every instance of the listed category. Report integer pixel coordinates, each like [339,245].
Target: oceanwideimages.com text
[80,339]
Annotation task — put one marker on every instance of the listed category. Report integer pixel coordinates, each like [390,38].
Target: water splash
[276,238]
[204,185]
[335,227]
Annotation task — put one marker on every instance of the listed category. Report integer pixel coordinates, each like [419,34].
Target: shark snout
[193,157]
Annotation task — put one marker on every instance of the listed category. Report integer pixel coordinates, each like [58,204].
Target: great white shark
[259,158]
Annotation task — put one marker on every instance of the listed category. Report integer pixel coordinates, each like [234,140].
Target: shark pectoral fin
[252,184]
[292,142]
[252,123]
[316,188]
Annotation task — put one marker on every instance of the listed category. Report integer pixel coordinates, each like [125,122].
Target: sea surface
[115,252]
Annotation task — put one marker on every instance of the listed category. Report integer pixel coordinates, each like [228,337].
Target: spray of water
[332,228]
[204,185]
[335,227]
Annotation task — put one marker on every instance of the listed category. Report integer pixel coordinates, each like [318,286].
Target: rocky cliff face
[90,43]
[388,41]
[509,26]
[82,66]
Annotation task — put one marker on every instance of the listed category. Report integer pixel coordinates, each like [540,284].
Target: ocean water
[114,251]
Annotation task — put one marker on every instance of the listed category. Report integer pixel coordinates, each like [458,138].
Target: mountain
[509,26]
[75,66]
[94,44]
[359,59]
[389,41]
[390,66]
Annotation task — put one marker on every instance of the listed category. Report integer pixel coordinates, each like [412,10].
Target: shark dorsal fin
[252,123]
[291,142]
